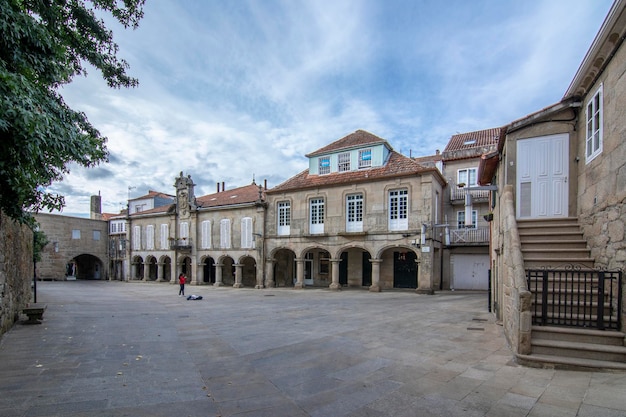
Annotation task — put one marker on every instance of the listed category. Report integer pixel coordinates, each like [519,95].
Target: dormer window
[343,162]
[324,167]
[365,158]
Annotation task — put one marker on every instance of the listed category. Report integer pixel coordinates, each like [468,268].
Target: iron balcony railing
[181,244]
[466,236]
[458,194]
[576,297]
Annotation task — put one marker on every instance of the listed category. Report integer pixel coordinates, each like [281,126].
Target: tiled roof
[153,194]
[241,195]
[156,210]
[357,139]
[398,165]
[478,139]
[430,159]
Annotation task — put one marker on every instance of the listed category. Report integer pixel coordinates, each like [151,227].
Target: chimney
[223,187]
[95,211]
[218,187]
[265,183]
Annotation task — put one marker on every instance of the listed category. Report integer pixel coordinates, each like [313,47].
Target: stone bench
[34,313]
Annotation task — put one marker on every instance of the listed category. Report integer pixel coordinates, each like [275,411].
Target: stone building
[77,247]
[361,215]
[558,228]
[211,239]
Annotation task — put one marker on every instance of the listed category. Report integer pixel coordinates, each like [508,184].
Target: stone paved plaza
[137,349]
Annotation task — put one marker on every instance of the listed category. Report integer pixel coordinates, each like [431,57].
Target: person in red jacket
[181,281]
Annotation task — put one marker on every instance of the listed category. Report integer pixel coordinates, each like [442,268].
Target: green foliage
[40,240]
[43,45]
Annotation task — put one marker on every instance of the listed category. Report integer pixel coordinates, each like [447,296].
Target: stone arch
[151,264]
[355,268]
[316,267]
[185,267]
[86,266]
[136,268]
[284,271]
[207,264]
[248,271]
[165,263]
[228,270]
[399,266]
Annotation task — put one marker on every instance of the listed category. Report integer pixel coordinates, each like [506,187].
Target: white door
[470,272]
[542,175]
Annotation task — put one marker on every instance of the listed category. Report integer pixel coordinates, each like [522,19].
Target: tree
[44,44]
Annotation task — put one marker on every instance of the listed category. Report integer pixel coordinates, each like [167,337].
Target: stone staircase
[559,244]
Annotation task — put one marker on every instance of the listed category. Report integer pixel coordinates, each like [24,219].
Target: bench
[34,313]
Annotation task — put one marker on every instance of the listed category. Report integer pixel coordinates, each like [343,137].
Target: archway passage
[208,271]
[355,268]
[284,268]
[87,267]
[248,271]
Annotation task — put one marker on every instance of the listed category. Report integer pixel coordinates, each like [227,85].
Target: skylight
[469,142]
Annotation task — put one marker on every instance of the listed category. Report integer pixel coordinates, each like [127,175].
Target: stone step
[564,362]
[579,350]
[547,244]
[573,334]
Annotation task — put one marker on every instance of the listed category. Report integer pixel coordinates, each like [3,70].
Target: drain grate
[475,328]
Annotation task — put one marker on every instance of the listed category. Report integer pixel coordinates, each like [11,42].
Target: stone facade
[77,248]
[16,270]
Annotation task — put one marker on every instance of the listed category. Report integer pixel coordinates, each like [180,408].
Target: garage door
[470,272]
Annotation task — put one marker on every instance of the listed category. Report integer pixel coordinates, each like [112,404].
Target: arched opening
[85,266]
[208,270]
[228,271]
[166,265]
[317,267]
[355,268]
[248,271]
[137,268]
[284,268]
[152,269]
[185,267]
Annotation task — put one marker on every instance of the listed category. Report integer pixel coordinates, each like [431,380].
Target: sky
[236,91]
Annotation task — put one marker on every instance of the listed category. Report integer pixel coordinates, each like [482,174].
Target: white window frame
[594,118]
[96,235]
[460,220]
[343,162]
[136,237]
[183,230]
[465,176]
[284,218]
[165,231]
[206,234]
[150,237]
[323,165]
[225,241]
[399,209]
[246,233]
[75,234]
[365,158]
[316,215]
[354,213]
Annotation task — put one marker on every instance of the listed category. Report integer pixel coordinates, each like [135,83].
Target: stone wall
[16,270]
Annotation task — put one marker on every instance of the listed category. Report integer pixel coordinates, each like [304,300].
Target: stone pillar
[375,287]
[194,272]
[173,273]
[269,273]
[160,267]
[133,271]
[146,271]
[425,273]
[218,275]
[259,277]
[299,274]
[334,274]
[199,274]
[238,275]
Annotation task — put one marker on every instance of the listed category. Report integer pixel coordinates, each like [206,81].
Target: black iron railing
[576,297]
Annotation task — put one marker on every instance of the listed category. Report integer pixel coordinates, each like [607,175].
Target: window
[324,167]
[165,232]
[284,217]
[343,162]
[206,234]
[150,237]
[398,210]
[225,233]
[460,220]
[96,235]
[593,142]
[136,237]
[113,228]
[467,176]
[324,262]
[246,232]
[316,216]
[76,234]
[184,230]
[354,213]
[365,158]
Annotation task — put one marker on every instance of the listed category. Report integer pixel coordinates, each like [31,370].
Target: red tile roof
[241,195]
[398,165]
[153,194]
[357,139]
[470,140]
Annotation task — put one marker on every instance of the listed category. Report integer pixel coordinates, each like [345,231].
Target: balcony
[469,236]
[183,245]
[457,195]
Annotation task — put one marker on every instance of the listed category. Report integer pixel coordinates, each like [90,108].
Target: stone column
[299,274]
[375,287]
[269,273]
[425,273]
[334,274]
[160,267]
[259,277]
[218,275]
[146,271]
[199,274]
[238,275]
